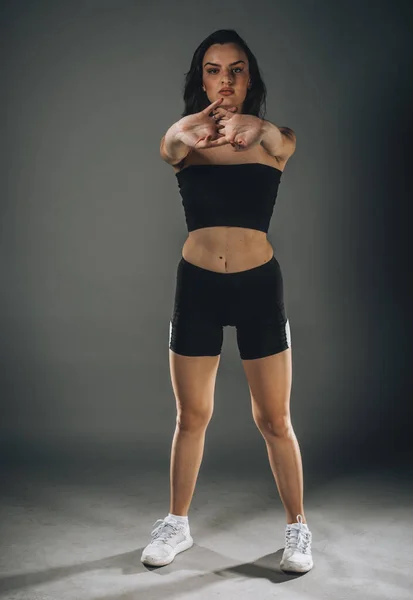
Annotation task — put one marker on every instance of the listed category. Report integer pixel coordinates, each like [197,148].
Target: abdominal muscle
[227,249]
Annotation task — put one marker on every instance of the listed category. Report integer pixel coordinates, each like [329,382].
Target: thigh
[195,341]
[195,328]
[193,380]
[262,325]
[269,381]
[264,337]
[195,336]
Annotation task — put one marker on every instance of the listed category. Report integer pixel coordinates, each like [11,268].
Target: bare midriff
[226,249]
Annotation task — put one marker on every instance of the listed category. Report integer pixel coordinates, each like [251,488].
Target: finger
[220,110]
[222,119]
[207,140]
[201,143]
[208,109]
[219,142]
[226,110]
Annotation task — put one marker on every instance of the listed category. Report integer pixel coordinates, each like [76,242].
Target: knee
[193,420]
[279,426]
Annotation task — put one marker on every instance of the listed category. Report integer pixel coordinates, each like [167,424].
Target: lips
[226,91]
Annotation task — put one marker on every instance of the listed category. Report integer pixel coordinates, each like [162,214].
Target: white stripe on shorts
[288,332]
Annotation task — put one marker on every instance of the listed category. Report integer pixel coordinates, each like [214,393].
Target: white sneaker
[297,552]
[168,539]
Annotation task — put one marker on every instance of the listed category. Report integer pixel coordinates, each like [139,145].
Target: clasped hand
[241,131]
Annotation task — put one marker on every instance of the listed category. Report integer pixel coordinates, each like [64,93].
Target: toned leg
[193,381]
[269,380]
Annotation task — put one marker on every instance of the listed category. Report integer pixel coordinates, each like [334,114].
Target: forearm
[172,149]
[271,138]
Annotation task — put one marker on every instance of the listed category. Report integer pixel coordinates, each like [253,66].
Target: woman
[228,163]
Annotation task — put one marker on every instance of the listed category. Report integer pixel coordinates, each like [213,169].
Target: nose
[227,78]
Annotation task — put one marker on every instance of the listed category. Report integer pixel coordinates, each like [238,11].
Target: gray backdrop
[92,227]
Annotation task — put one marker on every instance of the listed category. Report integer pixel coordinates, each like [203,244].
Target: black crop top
[237,195]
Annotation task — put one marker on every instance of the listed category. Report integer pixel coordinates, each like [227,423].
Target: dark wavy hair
[194,96]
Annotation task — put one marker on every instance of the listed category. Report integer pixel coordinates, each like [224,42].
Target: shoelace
[299,538]
[164,530]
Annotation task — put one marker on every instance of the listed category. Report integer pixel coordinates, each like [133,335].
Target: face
[229,68]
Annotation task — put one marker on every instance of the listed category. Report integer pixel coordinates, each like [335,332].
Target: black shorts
[251,301]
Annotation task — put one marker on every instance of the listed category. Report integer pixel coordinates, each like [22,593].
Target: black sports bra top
[237,195]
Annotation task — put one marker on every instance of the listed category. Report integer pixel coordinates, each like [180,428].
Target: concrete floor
[77,533]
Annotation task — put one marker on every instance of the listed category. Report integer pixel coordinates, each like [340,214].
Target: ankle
[179,518]
[291,520]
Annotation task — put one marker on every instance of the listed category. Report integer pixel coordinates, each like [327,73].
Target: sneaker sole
[293,568]
[181,547]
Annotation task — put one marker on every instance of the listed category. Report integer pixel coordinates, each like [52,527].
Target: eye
[236,69]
